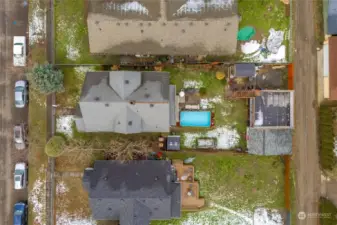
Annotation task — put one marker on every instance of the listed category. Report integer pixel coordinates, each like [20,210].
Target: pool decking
[190,199]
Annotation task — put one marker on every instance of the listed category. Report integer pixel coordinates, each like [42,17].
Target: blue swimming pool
[195,118]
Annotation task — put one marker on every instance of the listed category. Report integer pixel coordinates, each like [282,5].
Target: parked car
[21,93]
[20,134]
[19,51]
[20,176]
[20,213]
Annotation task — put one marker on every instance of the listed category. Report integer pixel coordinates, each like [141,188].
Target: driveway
[13,21]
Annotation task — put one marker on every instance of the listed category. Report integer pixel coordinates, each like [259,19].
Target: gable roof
[269,141]
[133,192]
[163,27]
[126,102]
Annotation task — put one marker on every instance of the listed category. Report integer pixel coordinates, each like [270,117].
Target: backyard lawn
[263,15]
[233,186]
[230,115]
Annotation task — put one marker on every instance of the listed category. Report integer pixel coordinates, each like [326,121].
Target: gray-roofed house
[133,192]
[162,27]
[269,142]
[126,102]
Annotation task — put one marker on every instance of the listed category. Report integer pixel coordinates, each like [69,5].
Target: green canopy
[246,33]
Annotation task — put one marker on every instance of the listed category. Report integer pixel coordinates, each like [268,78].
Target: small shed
[244,70]
[173,143]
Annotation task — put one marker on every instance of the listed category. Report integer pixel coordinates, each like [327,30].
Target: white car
[20,176]
[19,51]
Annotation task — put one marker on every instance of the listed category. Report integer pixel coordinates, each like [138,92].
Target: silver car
[20,134]
[21,93]
[20,176]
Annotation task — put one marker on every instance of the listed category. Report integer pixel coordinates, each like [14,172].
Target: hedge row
[326,135]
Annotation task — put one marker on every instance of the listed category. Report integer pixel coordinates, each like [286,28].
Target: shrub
[326,134]
[46,79]
[328,212]
[55,146]
[202,91]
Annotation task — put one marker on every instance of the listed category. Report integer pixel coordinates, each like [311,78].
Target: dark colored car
[20,213]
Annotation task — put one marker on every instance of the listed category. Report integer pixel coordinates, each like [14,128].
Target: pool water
[195,118]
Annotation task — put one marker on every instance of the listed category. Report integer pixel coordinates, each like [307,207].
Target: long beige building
[174,27]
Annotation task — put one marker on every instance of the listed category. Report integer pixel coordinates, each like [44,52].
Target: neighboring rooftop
[133,192]
[272,109]
[126,102]
[332,17]
[269,142]
[332,68]
[174,27]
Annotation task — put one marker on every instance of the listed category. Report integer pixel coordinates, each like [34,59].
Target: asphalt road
[305,140]
[13,22]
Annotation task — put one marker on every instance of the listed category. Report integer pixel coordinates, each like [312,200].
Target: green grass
[37,139]
[73,81]
[263,15]
[238,182]
[229,113]
[71,30]
[328,212]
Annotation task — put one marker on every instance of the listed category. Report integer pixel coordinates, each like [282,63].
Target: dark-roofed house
[269,141]
[133,192]
[272,109]
[126,102]
[163,27]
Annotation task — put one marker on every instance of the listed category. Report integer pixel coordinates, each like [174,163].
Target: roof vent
[147,95]
[105,178]
[126,82]
[107,105]
[130,123]
[97,98]
[109,209]
[156,178]
[132,102]
[151,105]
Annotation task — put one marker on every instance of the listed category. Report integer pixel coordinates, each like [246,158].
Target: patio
[189,188]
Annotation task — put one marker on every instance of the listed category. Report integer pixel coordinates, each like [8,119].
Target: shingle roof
[133,192]
[163,27]
[125,102]
[269,141]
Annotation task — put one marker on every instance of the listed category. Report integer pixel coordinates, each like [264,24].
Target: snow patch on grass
[206,103]
[72,52]
[64,125]
[192,84]
[226,138]
[197,6]
[224,216]
[37,198]
[37,23]
[61,188]
[264,216]
[65,218]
